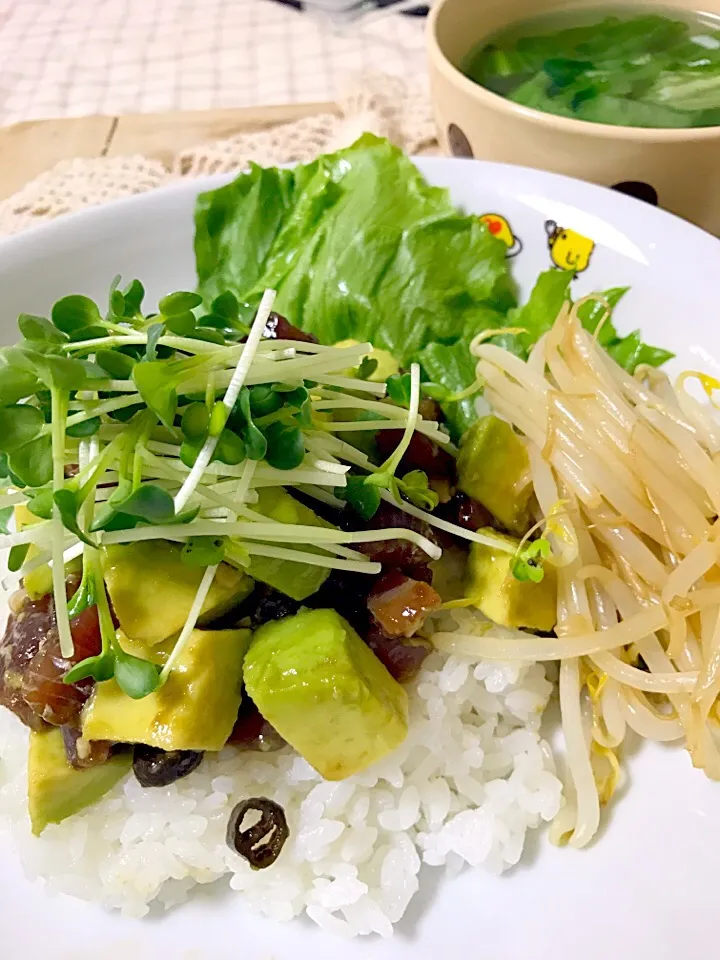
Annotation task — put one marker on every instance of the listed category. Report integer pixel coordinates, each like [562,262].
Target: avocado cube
[505,600]
[386,367]
[152,589]
[325,692]
[296,580]
[56,790]
[38,582]
[195,709]
[493,467]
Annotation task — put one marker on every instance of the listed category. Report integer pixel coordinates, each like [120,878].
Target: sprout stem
[238,379]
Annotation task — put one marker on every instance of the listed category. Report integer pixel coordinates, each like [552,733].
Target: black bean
[465,512]
[157,768]
[347,593]
[260,844]
[271,604]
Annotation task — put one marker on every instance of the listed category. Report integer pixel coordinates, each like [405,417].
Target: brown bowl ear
[639,190]
[458,142]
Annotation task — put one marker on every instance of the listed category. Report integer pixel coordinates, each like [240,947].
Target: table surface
[28,149]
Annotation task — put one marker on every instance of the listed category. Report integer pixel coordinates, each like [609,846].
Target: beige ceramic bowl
[680,169]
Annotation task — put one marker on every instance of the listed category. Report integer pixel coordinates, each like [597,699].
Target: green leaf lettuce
[359,246]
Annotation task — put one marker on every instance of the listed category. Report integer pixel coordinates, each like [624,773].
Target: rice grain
[472,777]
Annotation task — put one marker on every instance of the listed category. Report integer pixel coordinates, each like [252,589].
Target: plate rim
[612,203]
[47,236]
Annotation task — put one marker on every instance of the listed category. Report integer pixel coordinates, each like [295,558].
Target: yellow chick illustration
[568,250]
[500,228]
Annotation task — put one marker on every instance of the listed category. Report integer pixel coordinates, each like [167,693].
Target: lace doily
[378,103]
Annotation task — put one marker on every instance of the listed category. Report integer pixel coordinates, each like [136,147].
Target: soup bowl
[677,169]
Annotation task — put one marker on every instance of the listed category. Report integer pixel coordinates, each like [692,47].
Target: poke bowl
[438,831]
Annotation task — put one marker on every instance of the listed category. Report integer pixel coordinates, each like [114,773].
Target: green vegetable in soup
[628,68]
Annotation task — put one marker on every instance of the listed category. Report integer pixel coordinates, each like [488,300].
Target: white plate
[648,886]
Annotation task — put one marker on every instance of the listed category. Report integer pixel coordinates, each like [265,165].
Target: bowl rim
[607,131]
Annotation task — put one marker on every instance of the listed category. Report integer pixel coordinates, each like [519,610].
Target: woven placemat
[378,103]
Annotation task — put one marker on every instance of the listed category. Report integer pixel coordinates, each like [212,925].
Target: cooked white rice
[471,778]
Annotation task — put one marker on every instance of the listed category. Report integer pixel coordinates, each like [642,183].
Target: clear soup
[619,65]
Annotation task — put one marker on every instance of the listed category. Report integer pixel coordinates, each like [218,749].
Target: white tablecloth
[69,58]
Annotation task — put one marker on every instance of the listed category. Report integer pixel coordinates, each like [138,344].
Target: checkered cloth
[70,58]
